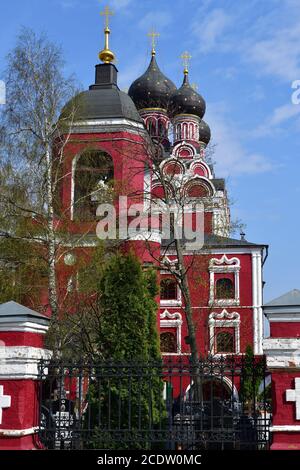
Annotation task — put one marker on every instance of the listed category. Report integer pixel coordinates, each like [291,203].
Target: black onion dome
[186,100]
[153,89]
[204,132]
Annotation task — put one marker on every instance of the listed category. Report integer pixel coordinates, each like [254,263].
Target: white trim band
[21,362]
[285,428]
[18,432]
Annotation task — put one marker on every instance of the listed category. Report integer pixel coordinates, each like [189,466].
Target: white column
[257,302]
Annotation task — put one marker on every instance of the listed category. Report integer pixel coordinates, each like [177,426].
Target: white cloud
[279,54]
[155,19]
[209,28]
[230,155]
[279,116]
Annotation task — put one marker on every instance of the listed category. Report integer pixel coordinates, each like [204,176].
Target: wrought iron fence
[212,404]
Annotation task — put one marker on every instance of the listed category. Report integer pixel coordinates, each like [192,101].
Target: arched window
[224,342]
[178,132]
[151,125]
[161,128]
[168,342]
[93,177]
[168,289]
[224,289]
[191,131]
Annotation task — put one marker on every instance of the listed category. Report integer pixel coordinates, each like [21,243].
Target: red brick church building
[110,140]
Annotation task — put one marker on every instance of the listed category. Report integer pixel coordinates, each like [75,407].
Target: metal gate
[216,403]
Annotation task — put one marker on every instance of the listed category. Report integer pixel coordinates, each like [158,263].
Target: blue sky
[245,56]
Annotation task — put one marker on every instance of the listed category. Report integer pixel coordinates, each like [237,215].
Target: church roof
[290,298]
[215,241]
[186,100]
[103,100]
[13,309]
[152,89]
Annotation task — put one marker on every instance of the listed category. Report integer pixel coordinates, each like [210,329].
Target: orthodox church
[148,146]
[110,139]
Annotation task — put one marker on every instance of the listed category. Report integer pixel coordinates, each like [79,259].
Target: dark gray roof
[105,103]
[219,184]
[152,89]
[13,309]
[204,132]
[103,99]
[186,100]
[211,241]
[290,298]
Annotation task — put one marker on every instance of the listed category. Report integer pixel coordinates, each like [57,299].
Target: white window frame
[172,320]
[224,320]
[224,265]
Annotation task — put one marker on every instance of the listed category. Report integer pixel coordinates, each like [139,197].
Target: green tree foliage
[251,378]
[128,392]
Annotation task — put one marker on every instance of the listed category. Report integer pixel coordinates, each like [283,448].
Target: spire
[153,36]
[106,55]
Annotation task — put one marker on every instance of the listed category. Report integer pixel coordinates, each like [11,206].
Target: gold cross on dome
[107,13]
[153,35]
[186,57]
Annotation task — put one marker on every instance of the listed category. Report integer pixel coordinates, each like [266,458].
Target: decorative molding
[224,265]
[282,353]
[231,264]
[172,320]
[224,380]
[145,235]
[224,320]
[21,362]
[25,327]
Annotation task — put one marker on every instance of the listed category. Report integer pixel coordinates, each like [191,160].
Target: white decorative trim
[294,395]
[25,327]
[107,122]
[18,432]
[199,162]
[282,352]
[287,314]
[224,320]
[172,320]
[201,181]
[224,265]
[285,428]
[145,235]
[21,362]
[223,379]
[257,302]
[5,401]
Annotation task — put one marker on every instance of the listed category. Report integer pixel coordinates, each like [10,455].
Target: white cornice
[21,362]
[25,327]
